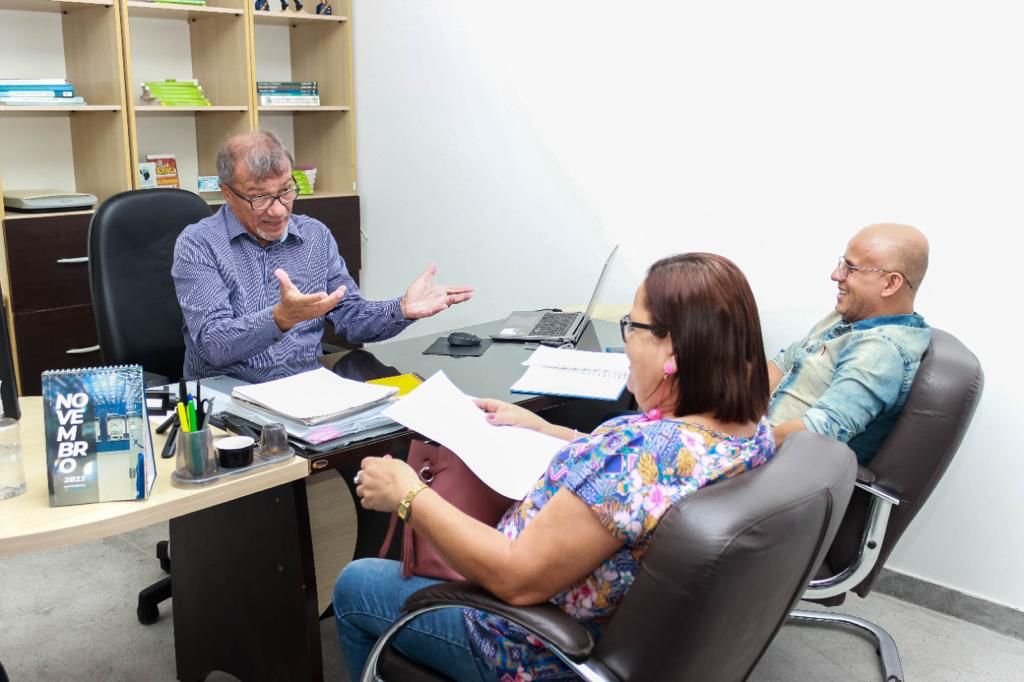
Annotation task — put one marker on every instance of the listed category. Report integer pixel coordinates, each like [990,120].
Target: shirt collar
[905,320]
[236,229]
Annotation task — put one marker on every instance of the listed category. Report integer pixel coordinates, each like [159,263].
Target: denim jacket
[850,381]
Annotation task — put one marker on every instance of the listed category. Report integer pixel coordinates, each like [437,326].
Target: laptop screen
[600,281]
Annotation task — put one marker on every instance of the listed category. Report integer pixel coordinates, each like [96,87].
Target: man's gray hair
[264,154]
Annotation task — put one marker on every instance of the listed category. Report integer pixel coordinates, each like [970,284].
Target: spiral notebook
[98,444]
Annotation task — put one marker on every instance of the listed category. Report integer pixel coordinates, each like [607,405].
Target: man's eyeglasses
[626,326]
[263,202]
[845,268]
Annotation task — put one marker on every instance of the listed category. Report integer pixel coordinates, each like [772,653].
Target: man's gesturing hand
[296,306]
[423,298]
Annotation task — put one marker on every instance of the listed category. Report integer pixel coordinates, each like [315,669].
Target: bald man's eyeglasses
[844,268]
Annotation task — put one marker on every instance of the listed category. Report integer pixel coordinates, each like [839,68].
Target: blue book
[33,86]
[98,443]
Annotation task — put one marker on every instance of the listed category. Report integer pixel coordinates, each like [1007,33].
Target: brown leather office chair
[896,484]
[724,567]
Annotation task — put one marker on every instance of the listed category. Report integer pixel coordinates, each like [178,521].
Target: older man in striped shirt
[256,283]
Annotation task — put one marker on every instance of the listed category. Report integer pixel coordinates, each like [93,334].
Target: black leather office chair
[896,484]
[723,569]
[131,249]
[8,386]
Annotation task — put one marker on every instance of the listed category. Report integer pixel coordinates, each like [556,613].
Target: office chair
[896,484]
[131,249]
[723,569]
[8,385]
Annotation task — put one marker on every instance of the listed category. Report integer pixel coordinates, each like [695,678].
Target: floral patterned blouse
[630,471]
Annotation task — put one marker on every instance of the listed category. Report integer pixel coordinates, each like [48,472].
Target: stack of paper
[506,458]
[313,397]
[576,373]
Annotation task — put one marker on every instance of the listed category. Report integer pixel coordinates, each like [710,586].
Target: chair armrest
[546,621]
[865,475]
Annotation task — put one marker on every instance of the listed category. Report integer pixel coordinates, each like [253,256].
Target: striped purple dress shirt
[227,289]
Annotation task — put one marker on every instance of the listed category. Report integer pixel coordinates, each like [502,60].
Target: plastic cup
[274,441]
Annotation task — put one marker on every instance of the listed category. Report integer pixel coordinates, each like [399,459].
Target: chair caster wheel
[148,614]
[163,554]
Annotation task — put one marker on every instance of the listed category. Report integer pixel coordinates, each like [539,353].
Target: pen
[181,391]
[199,401]
[168,450]
[193,422]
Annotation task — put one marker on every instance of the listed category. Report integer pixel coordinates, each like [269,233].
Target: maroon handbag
[449,477]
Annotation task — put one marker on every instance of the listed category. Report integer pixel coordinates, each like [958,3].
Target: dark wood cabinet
[48,284]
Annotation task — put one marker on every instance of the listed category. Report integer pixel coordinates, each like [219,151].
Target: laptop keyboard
[554,324]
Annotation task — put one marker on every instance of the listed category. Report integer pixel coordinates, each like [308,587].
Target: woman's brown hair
[705,303]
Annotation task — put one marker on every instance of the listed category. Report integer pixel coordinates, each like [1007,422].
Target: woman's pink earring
[670,368]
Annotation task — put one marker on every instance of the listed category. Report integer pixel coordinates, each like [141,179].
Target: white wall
[514,142]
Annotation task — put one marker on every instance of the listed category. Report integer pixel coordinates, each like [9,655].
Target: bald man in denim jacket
[850,376]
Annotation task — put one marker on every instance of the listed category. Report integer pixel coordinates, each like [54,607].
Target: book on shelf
[290,100]
[286,85]
[166,169]
[575,373]
[147,175]
[98,444]
[40,101]
[304,180]
[313,397]
[37,92]
[36,87]
[175,93]
[33,81]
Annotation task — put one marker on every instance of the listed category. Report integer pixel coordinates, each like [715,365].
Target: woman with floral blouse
[698,373]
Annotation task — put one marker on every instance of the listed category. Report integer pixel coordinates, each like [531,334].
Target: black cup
[234,451]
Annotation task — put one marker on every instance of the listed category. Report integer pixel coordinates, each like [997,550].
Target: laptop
[549,327]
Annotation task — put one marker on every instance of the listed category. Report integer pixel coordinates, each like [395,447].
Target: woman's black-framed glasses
[263,202]
[626,326]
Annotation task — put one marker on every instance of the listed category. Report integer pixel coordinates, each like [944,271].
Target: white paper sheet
[576,373]
[506,458]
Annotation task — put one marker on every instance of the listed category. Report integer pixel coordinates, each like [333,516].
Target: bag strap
[386,545]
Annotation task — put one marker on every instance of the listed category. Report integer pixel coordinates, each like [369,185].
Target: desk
[28,523]
[245,596]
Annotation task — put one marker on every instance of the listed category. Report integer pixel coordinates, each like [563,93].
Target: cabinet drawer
[46,258]
[45,338]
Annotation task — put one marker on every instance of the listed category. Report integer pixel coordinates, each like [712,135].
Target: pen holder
[195,457]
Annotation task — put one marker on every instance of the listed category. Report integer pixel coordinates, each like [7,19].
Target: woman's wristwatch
[405,506]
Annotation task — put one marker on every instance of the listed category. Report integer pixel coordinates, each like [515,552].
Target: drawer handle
[82,351]
[70,261]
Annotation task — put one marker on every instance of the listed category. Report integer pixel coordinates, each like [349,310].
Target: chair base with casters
[896,484]
[881,504]
[693,610]
[148,610]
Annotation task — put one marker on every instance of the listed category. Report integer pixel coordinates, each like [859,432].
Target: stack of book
[174,93]
[38,92]
[305,178]
[288,93]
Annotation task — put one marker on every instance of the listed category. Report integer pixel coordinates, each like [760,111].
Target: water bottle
[12,474]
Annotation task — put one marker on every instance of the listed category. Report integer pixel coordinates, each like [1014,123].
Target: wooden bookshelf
[218,55]
[319,48]
[62,6]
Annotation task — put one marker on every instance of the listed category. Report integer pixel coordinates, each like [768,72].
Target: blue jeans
[368,598]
